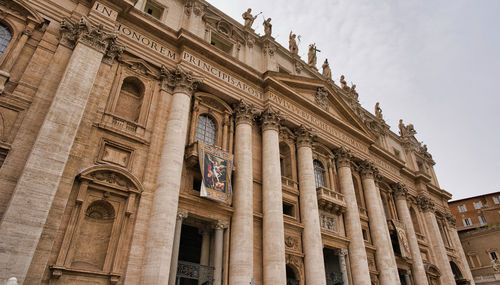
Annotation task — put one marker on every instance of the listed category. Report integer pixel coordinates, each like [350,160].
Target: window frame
[318,166]
[478,205]
[215,129]
[467,222]
[462,208]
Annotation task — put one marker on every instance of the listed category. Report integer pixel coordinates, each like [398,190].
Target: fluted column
[442,261]
[218,252]
[386,263]
[241,250]
[357,251]
[181,215]
[159,242]
[342,253]
[272,202]
[418,269]
[458,246]
[20,229]
[312,242]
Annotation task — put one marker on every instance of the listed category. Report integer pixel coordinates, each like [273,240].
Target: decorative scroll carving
[291,242]
[244,113]
[111,177]
[343,157]
[368,170]
[94,36]
[304,136]
[425,203]
[182,215]
[270,119]
[220,225]
[195,7]
[269,48]
[400,191]
[180,80]
[294,260]
[321,97]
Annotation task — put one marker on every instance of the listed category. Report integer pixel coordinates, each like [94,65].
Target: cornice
[387,155]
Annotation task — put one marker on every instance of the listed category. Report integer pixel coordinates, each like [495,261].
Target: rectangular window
[288,209]
[496,199]
[462,208]
[482,220]
[493,255]
[154,10]
[467,222]
[478,205]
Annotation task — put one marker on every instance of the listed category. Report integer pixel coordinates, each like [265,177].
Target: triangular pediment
[321,97]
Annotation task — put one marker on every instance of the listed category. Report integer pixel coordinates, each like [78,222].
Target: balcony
[194,271]
[289,184]
[330,201]
[191,155]
[124,127]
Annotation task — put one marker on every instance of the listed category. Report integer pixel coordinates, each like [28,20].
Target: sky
[431,63]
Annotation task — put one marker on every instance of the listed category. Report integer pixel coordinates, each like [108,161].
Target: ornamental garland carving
[343,157]
[244,112]
[92,35]
[270,119]
[321,97]
[304,136]
[180,80]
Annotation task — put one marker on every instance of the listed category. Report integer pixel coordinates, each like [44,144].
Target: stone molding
[180,80]
[270,119]
[343,157]
[92,35]
[244,113]
[304,136]
[400,190]
[425,203]
[368,170]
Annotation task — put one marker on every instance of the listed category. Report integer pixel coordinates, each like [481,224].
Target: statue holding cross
[311,55]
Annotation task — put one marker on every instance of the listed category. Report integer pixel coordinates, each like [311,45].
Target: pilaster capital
[181,215]
[180,80]
[304,136]
[88,33]
[343,157]
[368,170]
[452,221]
[220,225]
[425,203]
[400,190]
[270,119]
[341,251]
[244,113]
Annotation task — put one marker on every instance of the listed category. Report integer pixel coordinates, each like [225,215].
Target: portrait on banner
[216,168]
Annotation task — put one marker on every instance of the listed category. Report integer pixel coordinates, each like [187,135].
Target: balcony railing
[330,201]
[195,271]
[289,182]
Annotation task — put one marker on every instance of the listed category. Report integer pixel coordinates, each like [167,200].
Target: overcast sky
[434,64]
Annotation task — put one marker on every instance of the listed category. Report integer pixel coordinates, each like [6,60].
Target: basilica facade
[163,142]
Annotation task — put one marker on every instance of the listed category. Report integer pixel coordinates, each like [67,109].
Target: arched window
[130,99]
[206,130]
[5,37]
[319,173]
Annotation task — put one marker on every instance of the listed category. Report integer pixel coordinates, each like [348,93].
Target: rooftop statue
[311,55]
[378,111]
[406,131]
[327,72]
[343,83]
[247,16]
[292,44]
[268,27]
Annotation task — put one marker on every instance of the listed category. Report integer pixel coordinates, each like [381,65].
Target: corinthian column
[160,238]
[384,257]
[272,202]
[418,269]
[20,229]
[313,244]
[357,252]
[439,251]
[241,250]
[458,246]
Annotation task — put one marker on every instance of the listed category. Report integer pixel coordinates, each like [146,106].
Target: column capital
[400,190]
[452,221]
[180,80]
[425,203]
[343,157]
[244,113]
[270,119]
[368,170]
[220,225]
[181,215]
[88,33]
[342,251]
[304,136]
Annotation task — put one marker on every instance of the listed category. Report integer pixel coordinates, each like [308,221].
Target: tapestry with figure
[402,239]
[216,167]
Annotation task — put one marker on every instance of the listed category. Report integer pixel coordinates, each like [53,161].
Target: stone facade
[103,104]
[478,225]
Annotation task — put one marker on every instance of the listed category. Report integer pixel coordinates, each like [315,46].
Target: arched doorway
[291,276]
[457,274]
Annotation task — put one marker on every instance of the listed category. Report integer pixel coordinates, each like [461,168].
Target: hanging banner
[403,241]
[216,167]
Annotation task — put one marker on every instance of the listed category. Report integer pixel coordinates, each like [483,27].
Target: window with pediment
[206,130]
[5,37]
[100,220]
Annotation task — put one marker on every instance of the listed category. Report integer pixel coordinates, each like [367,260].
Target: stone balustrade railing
[330,201]
[195,271]
[289,182]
